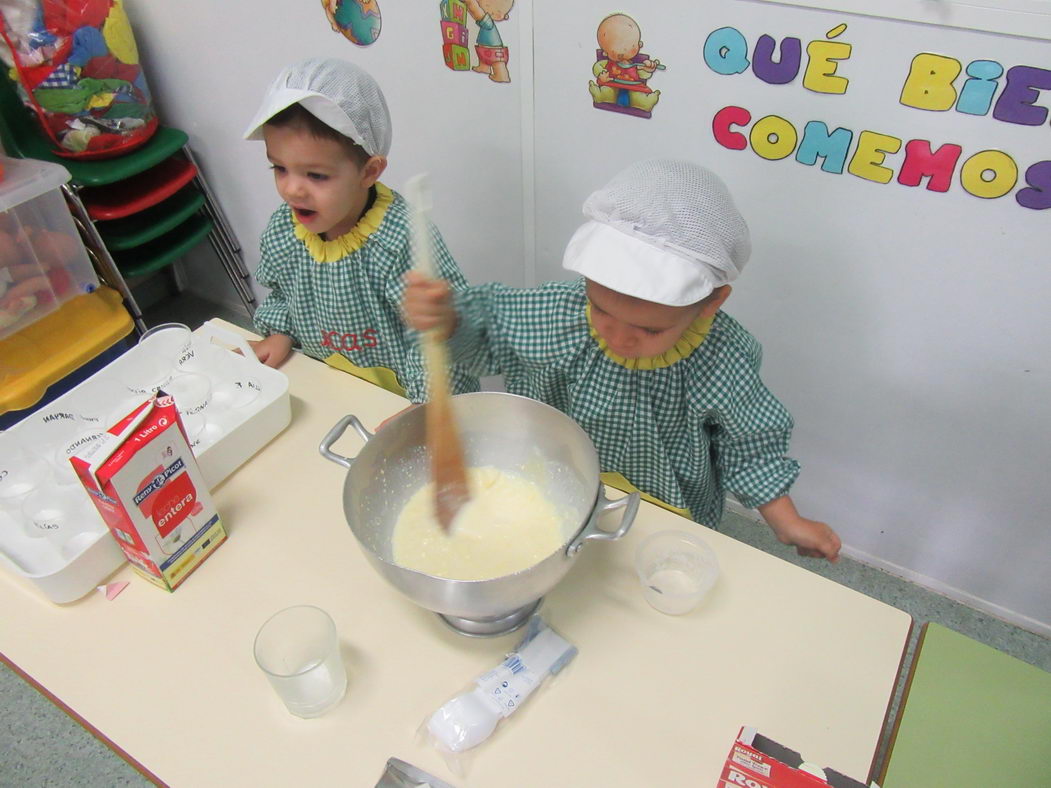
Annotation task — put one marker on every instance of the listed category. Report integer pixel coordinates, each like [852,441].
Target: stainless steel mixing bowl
[515,434]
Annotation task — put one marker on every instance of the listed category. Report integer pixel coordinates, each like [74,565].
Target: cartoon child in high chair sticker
[622,71]
[492,55]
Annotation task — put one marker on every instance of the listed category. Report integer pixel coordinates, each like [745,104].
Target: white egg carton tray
[68,572]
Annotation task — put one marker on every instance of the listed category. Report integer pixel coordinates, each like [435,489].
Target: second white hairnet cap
[339,94]
[661,230]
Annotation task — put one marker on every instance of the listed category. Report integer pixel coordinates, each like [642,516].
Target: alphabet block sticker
[492,55]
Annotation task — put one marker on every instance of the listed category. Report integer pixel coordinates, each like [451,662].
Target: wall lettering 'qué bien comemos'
[934,83]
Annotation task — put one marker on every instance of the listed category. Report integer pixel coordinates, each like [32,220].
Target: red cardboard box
[758,762]
[146,484]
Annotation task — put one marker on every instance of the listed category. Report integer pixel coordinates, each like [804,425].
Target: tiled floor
[41,746]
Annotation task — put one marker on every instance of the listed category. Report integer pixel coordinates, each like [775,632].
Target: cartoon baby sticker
[489,45]
[622,71]
[358,20]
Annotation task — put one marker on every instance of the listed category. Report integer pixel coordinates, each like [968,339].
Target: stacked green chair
[139,212]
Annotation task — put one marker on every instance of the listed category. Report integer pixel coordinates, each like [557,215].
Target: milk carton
[145,482]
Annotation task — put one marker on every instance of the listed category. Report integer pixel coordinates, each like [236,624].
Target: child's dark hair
[297,117]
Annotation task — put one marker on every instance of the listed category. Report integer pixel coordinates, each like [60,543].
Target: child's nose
[294,187]
[623,336]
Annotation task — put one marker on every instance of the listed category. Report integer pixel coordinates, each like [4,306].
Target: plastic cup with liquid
[298,650]
[677,569]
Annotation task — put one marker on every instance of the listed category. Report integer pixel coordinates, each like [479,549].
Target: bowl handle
[630,505]
[336,433]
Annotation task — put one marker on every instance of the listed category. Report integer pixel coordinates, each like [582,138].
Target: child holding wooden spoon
[639,353]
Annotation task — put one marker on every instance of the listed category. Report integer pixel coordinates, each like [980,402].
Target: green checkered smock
[352,306]
[684,434]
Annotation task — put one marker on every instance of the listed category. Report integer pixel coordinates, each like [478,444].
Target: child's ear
[372,170]
[715,300]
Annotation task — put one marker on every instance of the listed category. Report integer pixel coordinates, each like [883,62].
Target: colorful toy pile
[77,68]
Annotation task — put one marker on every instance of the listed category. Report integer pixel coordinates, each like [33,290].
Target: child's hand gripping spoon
[443,437]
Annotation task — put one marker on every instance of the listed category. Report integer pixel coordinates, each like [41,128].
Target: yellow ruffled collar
[336,249]
[691,339]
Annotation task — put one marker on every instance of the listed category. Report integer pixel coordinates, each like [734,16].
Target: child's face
[634,328]
[325,188]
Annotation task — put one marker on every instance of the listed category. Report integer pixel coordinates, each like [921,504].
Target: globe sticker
[358,20]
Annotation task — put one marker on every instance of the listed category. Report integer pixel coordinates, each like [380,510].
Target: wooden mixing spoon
[443,436]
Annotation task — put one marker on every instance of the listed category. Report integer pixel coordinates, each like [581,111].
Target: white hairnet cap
[662,230]
[339,94]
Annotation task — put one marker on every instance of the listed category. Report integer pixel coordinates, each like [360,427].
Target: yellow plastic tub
[45,352]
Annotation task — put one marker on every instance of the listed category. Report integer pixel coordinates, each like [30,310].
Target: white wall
[208,65]
[906,331]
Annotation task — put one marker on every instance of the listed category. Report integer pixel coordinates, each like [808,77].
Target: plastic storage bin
[253,406]
[43,263]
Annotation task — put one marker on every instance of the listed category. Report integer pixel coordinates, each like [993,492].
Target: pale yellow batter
[507,526]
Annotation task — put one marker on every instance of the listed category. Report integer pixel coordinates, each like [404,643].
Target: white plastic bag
[467,720]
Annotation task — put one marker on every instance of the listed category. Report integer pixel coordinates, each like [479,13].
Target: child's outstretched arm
[428,304]
[810,538]
[273,318]
[273,350]
[750,449]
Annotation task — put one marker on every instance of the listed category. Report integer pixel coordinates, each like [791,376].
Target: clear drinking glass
[143,373]
[236,392]
[170,341]
[49,429]
[192,392]
[206,358]
[21,472]
[677,569]
[57,514]
[298,650]
[99,400]
[78,443]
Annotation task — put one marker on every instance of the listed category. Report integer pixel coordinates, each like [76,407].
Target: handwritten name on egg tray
[931,85]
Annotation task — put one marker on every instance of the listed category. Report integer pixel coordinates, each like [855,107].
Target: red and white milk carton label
[148,488]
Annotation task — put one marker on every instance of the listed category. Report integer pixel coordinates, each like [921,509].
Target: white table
[651,700]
